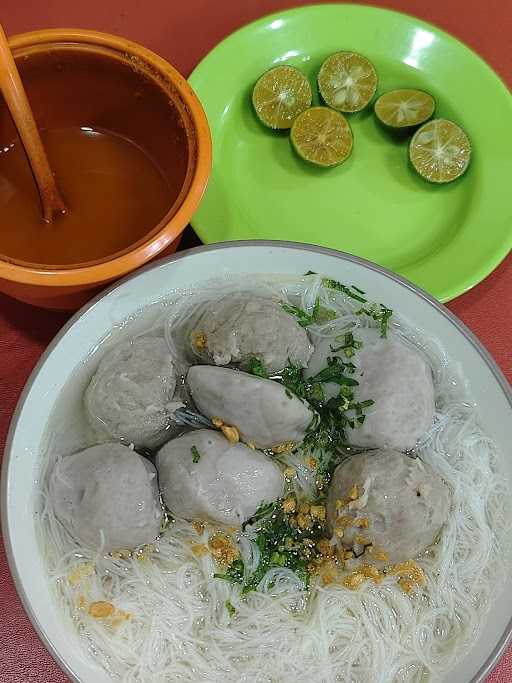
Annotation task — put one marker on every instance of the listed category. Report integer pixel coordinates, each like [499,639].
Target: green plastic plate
[444,238]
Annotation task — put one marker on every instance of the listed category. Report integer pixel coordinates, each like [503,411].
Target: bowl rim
[506,637]
[146,249]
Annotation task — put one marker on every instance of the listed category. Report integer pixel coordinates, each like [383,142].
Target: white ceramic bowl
[70,347]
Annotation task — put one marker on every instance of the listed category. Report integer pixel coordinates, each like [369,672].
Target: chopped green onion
[195,454]
[318,315]
[377,312]
[380,314]
[334,372]
[234,573]
[256,367]
[334,284]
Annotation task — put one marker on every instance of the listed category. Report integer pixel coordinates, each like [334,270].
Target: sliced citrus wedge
[322,136]
[280,95]
[347,81]
[440,151]
[404,109]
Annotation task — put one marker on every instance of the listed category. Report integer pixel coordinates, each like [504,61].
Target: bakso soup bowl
[73,356]
[134,94]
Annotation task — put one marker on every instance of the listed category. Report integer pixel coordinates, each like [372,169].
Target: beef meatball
[264,412]
[130,397]
[203,475]
[400,503]
[107,497]
[397,378]
[238,328]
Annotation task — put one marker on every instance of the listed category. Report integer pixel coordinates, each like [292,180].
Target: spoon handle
[19,108]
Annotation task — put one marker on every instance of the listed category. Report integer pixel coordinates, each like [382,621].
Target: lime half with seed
[280,95]
[404,109]
[440,151]
[347,81]
[322,136]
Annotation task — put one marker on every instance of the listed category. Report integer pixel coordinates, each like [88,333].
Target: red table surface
[183,33]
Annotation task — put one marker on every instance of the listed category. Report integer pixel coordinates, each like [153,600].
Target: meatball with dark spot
[396,503]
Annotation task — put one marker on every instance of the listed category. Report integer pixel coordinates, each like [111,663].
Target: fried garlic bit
[311,463]
[101,609]
[198,526]
[320,484]
[284,447]
[231,433]
[353,580]
[307,515]
[80,572]
[317,512]
[406,584]
[290,472]
[313,568]
[410,575]
[223,550]
[354,492]
[328,572]
[106,610]
[325,548]
[361,574]
[341,524]
[304,521]
[289,505]
[371,572]
[199,340]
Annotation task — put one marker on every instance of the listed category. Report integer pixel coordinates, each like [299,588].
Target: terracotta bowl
[170,98]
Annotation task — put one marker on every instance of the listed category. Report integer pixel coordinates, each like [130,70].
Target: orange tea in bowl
[118,151]
[129,146]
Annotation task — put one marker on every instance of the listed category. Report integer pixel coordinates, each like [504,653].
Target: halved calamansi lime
[322,136]
[440,151]
[404,109]
[280,95]
[347,81]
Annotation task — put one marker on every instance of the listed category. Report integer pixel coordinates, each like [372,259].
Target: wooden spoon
[19,108]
